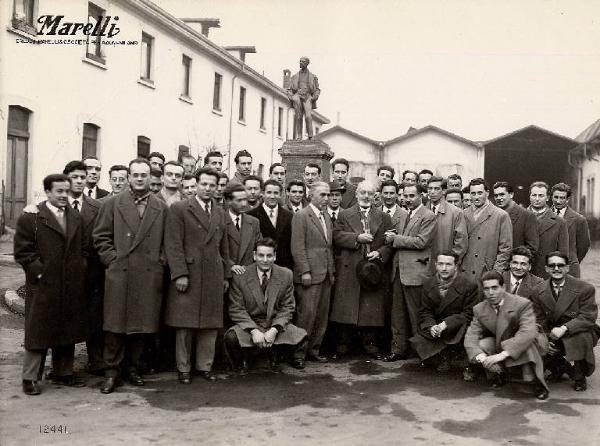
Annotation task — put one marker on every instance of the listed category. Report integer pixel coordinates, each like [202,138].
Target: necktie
[237,222]
[60,216]
[296,210]
[272,216]
[207,209]
[496,308]
[364,220]
[90,192]
[389,211]
[516,287]
[434,209]
[76,205]
[263,284]
[333,217]
[557,290]
[322,218]
[407,219]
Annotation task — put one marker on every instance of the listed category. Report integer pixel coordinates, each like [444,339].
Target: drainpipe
[579,174]
[231,117]
[272,128]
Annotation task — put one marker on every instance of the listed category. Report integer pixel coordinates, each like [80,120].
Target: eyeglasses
[556,265]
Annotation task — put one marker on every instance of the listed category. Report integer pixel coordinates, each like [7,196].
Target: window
[263,110]
[182,151]
[94,43]
[89,146]
[280,121]
[242,115]
[317,130]
[23,16]
[146,64]
[15,196]
[143,147]
[217,92]
[590,195]
[187,69]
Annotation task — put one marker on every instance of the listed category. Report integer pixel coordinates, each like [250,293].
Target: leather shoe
[109,385]
[541,393]
[498,380]
[580,385]
[184,377]
[209,376]
[317,358]
[68,380]
[393,357]
[135,379]
[31,387]
[298,364]
[243,370]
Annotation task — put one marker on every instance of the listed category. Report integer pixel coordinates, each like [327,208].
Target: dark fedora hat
[369,274]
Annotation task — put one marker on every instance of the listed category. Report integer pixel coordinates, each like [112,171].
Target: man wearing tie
[296,196]
[93,168]
[275,222]
[340,168]
[313,269]
[391,206]
[411,238]
[336,190]
[49,245]
[519,280]
[261,304]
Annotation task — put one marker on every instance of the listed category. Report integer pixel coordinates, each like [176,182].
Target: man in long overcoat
[129,239]
[49,244]
[198,256]
[359,234]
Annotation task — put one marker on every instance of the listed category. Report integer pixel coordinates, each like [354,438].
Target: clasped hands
[263,340]
[490,362]
[436,330]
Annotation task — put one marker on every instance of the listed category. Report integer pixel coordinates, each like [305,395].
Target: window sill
[185,99]
[262,130]
[217,112]
[146,83]
[95,63]
[21,33]
[242,122]
[279,137]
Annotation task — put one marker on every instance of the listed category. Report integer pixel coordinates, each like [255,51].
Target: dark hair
[561,187]
[453,190]
[273,183]
[410,171]
[188,177]
[388,168]
[389,182]
[455,176]
[268,242]
[478,182]
[212,154]
[174,163]
[313,165]
[426,171]
[157,155]
[240,154]
[223,175]
[140,161]
[54,178]
[274,165]
[557,254]
[74,165]
[255,178]
[121,167]
[420,188]
[540,184]
[505,185]
[343,161]
[296,183]
[206,171]
[156,172]
[231,189]
[448,253]
[436,179]
[522,251]
[492,275]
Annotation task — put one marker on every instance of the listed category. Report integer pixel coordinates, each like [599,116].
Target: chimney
[287,78]
[242,51]
[205,23]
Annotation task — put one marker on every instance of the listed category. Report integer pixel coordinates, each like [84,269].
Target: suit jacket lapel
[354,220]
[254,285]
[233,231]
[375,220]
[129,211]
[547,297]
[547,221]
[316,221]
[150,214]
[486,216]
[503,318]
[245,236]
[566,297]
[415,220]
[488,317]
[451,295]
[198,212]
[49,219]
[273,288]
[73,221]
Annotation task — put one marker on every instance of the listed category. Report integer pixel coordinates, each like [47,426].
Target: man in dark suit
[390,201]
[275,222]
[49,244]
[340,168]
[243,231]
[503,336]
[117,176]
[519,280]
[552,229]
[198,255]
[129,238]
[314,269]
[524,223]
[579,232]
[412,238]
[261,305]
[445,312]
[570,310]
[93,168]
[296,196]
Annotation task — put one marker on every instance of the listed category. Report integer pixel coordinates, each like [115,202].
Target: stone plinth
[296,154]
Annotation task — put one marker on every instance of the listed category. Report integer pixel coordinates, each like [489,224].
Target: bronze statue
[303,92]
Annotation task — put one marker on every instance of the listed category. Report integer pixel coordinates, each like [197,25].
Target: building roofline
[427,128]
[532,126]
[350,132]
[202,43]
[590,133]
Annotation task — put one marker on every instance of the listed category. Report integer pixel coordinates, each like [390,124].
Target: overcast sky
[477,68]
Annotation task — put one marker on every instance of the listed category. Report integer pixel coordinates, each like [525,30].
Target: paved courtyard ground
[351,402]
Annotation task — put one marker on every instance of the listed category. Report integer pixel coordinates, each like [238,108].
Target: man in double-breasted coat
[50,246]
[129,238]
[198,256]
[359,234]
[570,311]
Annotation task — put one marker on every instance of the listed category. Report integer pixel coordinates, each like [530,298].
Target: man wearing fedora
[358,301]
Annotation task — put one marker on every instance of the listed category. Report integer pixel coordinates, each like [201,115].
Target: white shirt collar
[315,209]
[268,209]
[79,200]
[201,203]
[260,273]
[513,280]
[391,210]
[56,211]
[331,211]
[414,211]
[86,190]
[233,217]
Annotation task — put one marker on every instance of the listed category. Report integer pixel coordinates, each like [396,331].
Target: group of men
[178,254]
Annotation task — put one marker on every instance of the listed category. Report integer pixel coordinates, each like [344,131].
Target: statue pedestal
[296,154]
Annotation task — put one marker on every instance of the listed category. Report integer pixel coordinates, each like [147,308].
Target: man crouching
[503,335]
[261,305]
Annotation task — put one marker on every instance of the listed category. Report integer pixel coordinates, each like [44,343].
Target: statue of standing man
[303,92]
